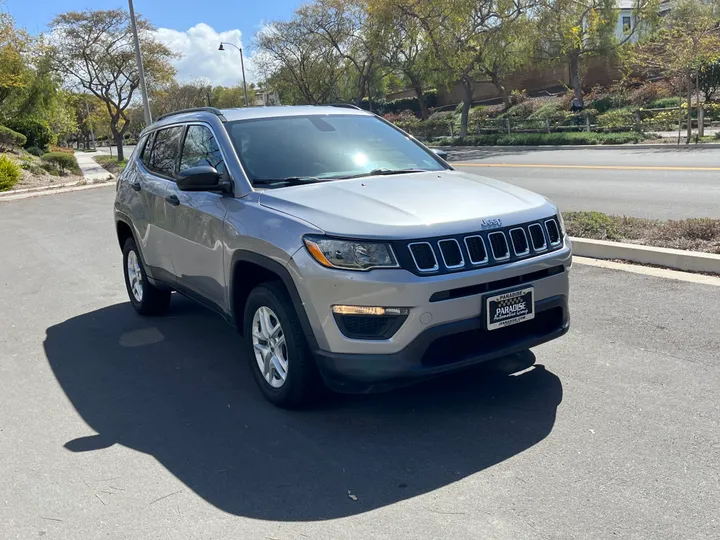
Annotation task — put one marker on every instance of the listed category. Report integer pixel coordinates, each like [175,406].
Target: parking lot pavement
[114,426]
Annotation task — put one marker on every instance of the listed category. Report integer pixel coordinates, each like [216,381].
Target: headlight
[349,254]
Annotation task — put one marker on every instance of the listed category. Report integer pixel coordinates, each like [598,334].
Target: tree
[94,50]
[709,79]
[461,34]
[175,96]
[688,40]
[14,73]
[228,97]
[302,67]
[405,51]
[346,26]
[570,30]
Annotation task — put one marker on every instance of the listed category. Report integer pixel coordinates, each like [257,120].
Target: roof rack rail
[346,106]
[212,110]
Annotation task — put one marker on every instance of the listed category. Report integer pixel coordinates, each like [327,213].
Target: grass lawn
[111,164]
[697,234]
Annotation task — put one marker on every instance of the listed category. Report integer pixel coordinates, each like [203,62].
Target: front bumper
[444,348]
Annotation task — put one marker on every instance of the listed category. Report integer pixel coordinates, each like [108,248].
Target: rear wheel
[144,296]
[280,359]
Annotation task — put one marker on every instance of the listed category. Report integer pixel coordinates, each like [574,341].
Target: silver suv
[347,254]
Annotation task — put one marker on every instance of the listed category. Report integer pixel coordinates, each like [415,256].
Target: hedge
[9,173]
[10,138]
[37,132]
[541,139]
[61,161]
[381,106]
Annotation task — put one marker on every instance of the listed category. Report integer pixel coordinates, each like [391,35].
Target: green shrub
[522,110]
[617,118]
[9,173]
[382,107]
[35,151]
[553,110]
[541,139]
[591,225]
[10,138]
[649,92]
[664,103]
[61,161]
[37,132]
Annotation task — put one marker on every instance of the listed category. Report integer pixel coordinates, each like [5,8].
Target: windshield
[324,147]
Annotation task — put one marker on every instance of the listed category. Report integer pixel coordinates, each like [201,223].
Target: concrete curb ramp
[678,259]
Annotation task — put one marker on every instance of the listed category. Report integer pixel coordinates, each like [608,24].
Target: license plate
[510,308]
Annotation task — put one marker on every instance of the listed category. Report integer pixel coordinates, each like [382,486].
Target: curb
[678,259]
[669,146]
[35,192]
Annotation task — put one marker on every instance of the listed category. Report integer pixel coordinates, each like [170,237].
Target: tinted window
[145,156]
[201,149]
[165,151]
[324,146]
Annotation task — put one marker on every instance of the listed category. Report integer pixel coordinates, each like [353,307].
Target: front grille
[476,249]
[553,231]
[424,257]
[499,246]
[487,248]
[519,241]
[451,254]
[537,237]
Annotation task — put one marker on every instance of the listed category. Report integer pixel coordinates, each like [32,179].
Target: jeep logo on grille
[490,224]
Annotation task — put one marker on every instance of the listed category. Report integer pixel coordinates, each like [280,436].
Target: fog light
[368,310]
[369,322]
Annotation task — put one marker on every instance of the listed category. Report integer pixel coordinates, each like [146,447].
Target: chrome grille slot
[451,253]
[475,246]
[423,256]
[537,237]
[519,241]
[499,246]
[553,232]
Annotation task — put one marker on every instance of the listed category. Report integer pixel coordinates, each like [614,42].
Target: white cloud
[200,58]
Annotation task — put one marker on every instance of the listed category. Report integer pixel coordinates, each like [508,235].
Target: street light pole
[242,65]
[141,71]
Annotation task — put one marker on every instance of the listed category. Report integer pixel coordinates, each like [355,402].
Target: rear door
[198,253]
[159,193]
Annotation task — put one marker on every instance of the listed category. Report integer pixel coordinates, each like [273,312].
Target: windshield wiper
[290,180]
[382,172]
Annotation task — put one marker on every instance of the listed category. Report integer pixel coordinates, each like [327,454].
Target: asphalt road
[662,183]
[119,427]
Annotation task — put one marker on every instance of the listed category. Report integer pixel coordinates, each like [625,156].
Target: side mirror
[203,178]
[442,154]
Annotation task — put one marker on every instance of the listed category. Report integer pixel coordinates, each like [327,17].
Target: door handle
[172,199]
[136,186]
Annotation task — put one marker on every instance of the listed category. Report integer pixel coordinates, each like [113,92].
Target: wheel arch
[250,269]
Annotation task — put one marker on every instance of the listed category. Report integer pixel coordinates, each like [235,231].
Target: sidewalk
[90,169]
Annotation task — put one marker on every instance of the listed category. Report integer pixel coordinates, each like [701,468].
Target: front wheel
[280,359]
[144,296]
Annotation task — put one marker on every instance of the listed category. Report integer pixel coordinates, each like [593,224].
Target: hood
[414,205]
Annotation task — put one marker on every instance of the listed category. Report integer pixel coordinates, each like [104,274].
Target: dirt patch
[697,234]
[30,180]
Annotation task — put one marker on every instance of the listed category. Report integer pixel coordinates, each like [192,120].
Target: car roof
[249,113]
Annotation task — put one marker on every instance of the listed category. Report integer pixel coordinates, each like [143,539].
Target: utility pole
[141,71]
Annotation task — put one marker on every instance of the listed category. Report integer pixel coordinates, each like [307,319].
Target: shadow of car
[176,388]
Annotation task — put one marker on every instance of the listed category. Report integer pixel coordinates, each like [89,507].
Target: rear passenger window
[165,151]
[201,150]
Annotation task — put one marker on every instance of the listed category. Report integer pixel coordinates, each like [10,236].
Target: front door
[198,254]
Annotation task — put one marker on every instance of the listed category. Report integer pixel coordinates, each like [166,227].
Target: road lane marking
[650,271]
[610,167]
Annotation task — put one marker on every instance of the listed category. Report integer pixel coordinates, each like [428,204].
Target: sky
[193,28]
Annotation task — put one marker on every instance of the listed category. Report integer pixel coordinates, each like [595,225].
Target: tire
[150,300]
[302,383]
